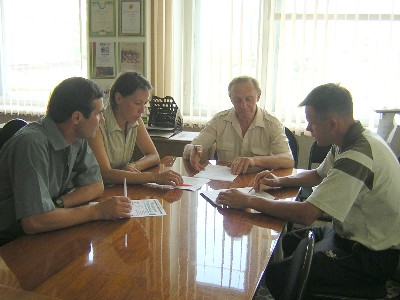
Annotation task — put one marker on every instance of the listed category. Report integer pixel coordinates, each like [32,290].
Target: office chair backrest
[293,144]
[317,154]
[300,268]
[9,129]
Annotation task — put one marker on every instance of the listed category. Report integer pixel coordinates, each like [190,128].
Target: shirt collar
[352,134]
[258,119]
[111,121]
[54,135]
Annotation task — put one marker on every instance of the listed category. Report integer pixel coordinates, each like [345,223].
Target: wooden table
[194,252]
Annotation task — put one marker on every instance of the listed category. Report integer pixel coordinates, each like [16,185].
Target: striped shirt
[361,189]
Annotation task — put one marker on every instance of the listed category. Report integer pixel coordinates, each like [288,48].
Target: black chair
[317,154]
[9,129]
[293,144]
[299,269]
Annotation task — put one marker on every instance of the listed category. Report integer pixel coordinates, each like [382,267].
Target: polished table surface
[194,252]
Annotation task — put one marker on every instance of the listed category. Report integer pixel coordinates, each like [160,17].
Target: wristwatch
[59,202]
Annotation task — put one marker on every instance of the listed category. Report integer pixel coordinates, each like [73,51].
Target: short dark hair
[243,79]
[330,98]
[126,84]
[73,94]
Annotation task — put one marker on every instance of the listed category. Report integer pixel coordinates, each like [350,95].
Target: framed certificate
[103,60]
[101,18]
[131,17]
[131,57]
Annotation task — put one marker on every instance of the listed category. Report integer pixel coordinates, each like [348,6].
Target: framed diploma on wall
[131,18]
[131,57]
[103,60]
[101,18]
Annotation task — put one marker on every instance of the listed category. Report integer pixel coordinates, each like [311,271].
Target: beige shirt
[119,147]
[265,136]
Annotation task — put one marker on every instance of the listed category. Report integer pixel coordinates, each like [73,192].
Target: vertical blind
[291,47]
[42,42]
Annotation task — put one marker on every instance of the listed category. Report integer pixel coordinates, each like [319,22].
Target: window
[291,47]
[42,43]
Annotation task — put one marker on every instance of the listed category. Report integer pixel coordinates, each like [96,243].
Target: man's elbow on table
[30,225]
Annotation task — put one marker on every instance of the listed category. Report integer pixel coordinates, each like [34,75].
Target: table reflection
[195,251]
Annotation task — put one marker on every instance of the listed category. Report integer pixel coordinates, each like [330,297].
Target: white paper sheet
[213,172]
[211,196]
[147,208]
[189,183]
[144,208]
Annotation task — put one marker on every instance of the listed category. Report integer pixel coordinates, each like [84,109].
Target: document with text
[147,208]
[144,208]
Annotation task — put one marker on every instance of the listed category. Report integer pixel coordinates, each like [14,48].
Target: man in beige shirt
[245,135]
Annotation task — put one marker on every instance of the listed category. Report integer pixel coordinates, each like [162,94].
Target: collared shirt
[38,166]
[265,136]
[119,146]
[360,190]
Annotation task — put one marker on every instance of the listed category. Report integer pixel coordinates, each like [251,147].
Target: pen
[184,184]
[125,188]
[199,150]
[269,171]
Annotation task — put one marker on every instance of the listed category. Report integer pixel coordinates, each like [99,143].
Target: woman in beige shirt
[114,143]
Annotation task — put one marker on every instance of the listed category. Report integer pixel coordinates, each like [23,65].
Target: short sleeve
[30,177]
[86,170]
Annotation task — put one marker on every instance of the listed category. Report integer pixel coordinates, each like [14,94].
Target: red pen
[184,184]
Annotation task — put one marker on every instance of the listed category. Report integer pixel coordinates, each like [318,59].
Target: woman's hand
[132,167]
[169,177]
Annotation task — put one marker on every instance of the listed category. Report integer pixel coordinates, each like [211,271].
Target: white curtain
[41,43]
[161,72]
[291,47]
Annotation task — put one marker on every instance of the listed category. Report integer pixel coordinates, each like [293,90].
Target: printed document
[147,208]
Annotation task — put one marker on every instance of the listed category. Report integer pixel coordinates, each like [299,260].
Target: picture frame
[102,18]
[103,60]
[131,57]
[131,18]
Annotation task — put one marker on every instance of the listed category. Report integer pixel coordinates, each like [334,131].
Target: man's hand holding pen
[196,154]
[266,178]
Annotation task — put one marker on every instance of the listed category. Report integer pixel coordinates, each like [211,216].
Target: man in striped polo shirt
[357,184]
